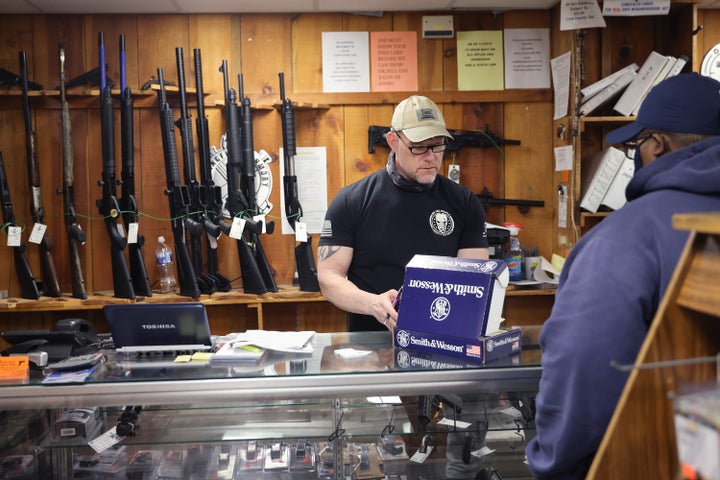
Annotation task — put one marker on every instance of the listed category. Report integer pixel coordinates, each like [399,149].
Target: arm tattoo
[326,252]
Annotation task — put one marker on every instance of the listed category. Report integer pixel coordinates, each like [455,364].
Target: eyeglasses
[632,145]
[421,149]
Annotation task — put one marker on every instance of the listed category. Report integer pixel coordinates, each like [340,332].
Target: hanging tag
[420,457]
[237,227]
[14,236]
[132,232]
[37,233]
[301,232]
[562,206]
[454,173]
[105,441]
[120,229]
[261,219]
[212,240]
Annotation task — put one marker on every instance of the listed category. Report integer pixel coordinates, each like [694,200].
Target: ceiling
[259,6]
[375,7]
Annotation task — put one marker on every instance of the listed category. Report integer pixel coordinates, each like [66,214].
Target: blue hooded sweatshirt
[610,288]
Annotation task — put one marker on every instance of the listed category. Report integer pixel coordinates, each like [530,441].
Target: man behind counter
[374,226]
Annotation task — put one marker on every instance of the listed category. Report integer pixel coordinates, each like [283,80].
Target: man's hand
[383,308]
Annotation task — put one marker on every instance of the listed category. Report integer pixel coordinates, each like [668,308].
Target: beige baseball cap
[419,118]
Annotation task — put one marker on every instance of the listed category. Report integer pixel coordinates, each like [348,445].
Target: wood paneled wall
[260,46]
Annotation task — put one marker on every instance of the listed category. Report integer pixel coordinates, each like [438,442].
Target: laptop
[158,327]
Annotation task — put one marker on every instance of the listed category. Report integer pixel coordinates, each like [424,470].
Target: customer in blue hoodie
[617,274]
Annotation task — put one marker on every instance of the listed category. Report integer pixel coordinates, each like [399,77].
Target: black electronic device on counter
[72,336]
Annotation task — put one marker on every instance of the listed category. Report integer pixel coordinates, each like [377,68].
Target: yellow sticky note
[201,356]
[182,358]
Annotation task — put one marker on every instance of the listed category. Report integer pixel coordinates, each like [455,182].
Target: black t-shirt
[386,226]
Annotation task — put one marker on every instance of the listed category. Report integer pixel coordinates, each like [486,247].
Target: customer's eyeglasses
[421,149]
[630,146]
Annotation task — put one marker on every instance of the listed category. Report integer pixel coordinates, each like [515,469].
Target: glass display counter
[353,408]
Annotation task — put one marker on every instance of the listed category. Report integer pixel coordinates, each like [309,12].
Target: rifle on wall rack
[210,195]
[461,138]
[138,272]
[305,262]
[237,204]
[75,234]
[28,285]
[108,205]
[178,196]
[247,185]
[194,222]
[50,286]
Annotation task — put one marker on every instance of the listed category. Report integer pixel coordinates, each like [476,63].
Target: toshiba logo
[159,326]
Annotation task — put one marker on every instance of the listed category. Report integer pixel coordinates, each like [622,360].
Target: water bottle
[514,257]
[164,257]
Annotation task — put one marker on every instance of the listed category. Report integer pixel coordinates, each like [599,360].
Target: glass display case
[353,408]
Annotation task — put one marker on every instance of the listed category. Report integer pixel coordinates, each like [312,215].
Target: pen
[396,302]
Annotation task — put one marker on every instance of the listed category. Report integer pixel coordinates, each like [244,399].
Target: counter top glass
[380,369]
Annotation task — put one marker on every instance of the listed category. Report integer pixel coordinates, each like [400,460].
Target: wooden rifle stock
[50,285]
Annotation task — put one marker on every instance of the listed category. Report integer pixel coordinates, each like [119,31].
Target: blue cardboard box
[408,359]
[453,306]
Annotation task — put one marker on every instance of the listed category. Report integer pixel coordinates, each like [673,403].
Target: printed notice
[346,62]
[576,14]
[527,58]
[480,60]
[311,172]
[626,8]
[561,84]
[393,58]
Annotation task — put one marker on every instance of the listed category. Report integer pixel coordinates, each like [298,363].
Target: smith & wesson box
[453,306]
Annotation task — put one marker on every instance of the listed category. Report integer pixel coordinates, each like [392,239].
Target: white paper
[132,232]
[346,61]
[527,57]
[311,172]
[37,233]
[301,232]
[14,236]
[578,14]
[562,206]
[237,227]
[285,341]
[563,158]
[105,441]
[625,8]
[561,84]
[350,353]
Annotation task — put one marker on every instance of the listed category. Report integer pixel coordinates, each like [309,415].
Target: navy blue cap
[685,103]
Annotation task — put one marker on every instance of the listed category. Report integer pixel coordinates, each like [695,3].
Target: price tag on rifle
[37,233]
[14,239]
[301,232]
[237,227]
[132,232]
